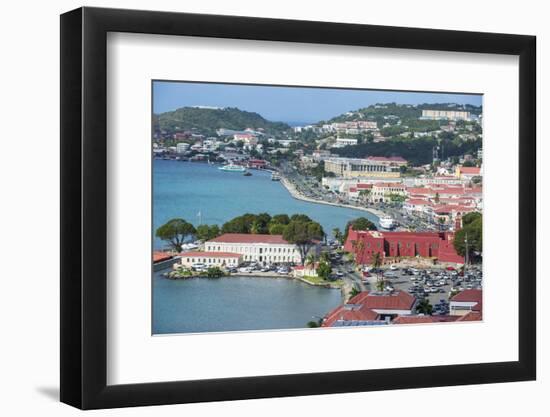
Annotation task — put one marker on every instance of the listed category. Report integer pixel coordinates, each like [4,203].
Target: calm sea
[185,189]
[237,303]
[198,192]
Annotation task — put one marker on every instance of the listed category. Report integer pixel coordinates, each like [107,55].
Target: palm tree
[324,257]
[337,234]
[376,262]
[310,259]
[360,248]
[424,307]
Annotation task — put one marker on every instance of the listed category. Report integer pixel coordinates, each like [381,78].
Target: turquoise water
[236,303]
[183,189]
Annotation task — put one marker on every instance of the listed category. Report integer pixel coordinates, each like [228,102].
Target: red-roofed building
[210,258]
[371,308]
[467,173]
[262,248]
[351,315]
[161,256]
[391,245]
[465,302]
[257,163]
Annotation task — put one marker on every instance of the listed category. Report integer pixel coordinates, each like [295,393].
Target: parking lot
[434,284]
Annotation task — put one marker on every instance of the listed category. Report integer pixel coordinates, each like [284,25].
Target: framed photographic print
[256,208]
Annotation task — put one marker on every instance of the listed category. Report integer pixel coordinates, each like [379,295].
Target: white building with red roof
[465,302]
[256,247]
[467,173]
[223,259]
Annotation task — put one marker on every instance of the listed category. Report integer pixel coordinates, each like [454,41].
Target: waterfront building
[382,192]
[256,247]
[371,308]
[257,163]
[220,259]
[445,114]
[309,270]
[182,147]
[391,245]
[466,302]
[368,167]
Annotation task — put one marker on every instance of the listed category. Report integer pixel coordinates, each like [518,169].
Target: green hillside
[206,121]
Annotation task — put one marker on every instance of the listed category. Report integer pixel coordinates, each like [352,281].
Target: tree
[424,307]
[312,324]
[337,235]
[376,262]
[324,270]
[175,232]
[310,259]
[214,272]
[206,232]
[276,228]
[354,291]
[361,223]
[303,233]
[325,257]
[472,229]
[436,199]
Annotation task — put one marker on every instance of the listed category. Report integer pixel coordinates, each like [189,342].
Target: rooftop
[250,238]
[210,254]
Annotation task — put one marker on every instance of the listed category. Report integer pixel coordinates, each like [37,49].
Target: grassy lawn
[319,281]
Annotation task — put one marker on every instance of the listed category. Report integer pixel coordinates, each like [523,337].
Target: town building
[467,173]
[368,167]
[396,245]
[256,247]
[308,270]
[465,302]
[385,191]
[219,259]
[445,114]
[371,308]
[182,147]
[341,142]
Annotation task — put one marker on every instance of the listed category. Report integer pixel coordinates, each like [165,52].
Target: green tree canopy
[175,232]
[206,232]
[303,233]
[324,270]
[472,229]
[361,223]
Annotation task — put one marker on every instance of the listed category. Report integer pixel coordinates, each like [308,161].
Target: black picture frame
[84,207]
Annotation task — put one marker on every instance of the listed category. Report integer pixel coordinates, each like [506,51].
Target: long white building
[256,247]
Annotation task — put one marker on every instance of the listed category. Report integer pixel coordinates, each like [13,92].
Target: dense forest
[206,121]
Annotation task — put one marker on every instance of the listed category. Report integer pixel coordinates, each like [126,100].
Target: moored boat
[387,222]
[232,168]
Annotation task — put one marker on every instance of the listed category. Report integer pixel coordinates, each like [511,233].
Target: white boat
[275,176]
[232,168]
[387,222]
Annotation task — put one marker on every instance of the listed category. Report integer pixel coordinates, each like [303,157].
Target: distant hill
[207,120]
[405,112]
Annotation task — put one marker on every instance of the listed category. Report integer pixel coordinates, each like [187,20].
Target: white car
[393,267]
[245,269]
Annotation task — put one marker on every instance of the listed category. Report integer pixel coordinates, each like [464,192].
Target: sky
[293,105]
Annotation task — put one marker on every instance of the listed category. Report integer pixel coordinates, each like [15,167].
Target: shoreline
[299,196]
[256,274]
